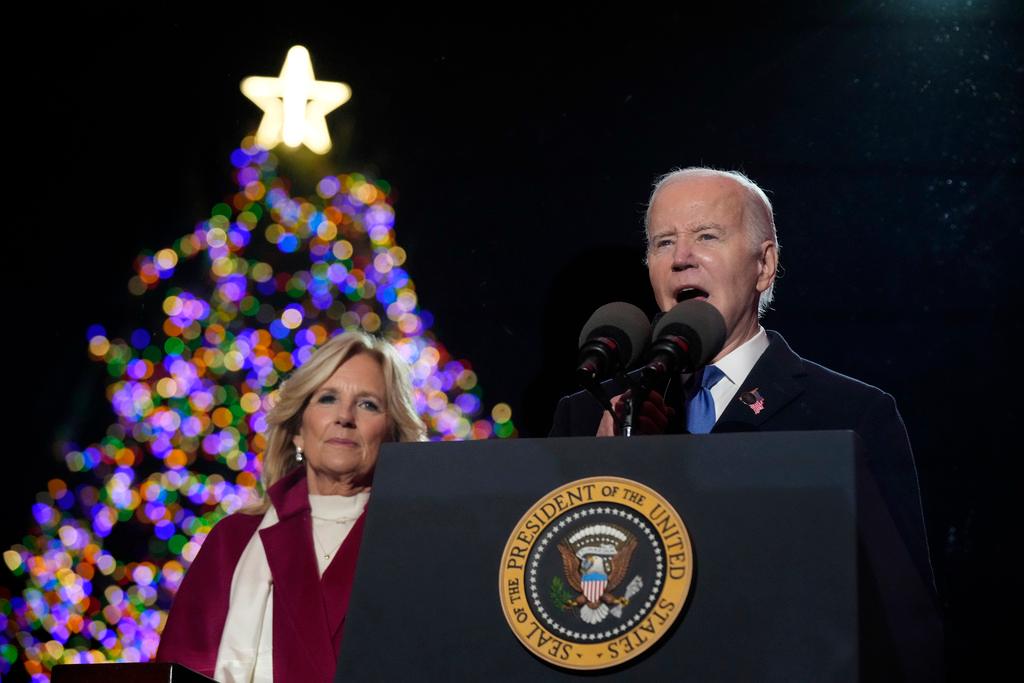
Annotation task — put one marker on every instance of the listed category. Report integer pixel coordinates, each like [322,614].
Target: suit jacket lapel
[298,600]
[770,386]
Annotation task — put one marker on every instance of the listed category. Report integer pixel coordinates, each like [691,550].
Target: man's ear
[768,265]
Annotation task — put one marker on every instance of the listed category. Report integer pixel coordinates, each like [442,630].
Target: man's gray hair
[760,219]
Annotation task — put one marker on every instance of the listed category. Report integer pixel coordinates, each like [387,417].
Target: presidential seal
[595,573]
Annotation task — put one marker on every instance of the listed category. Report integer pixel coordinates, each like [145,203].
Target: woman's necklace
[320,547]
[331,522]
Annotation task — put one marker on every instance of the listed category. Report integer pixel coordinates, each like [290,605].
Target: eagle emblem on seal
[595,561]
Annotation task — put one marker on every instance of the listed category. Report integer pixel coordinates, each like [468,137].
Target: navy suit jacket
[799,395]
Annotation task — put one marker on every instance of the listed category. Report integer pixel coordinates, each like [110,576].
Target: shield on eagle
[593,582]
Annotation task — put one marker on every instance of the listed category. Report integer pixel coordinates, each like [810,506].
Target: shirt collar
[738,363]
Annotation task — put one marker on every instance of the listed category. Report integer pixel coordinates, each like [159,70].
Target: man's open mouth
[687,293]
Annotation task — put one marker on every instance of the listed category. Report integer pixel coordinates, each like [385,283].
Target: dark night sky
[522,151]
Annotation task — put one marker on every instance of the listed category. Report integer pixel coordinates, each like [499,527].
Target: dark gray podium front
[799,574]
[152,672]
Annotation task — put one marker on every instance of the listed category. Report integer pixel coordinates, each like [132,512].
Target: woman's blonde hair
[285,418]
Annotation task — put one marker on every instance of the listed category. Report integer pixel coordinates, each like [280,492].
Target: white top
[333,518]
[246,652]
[736,365]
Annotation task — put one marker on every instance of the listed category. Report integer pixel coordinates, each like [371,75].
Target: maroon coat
[309,610]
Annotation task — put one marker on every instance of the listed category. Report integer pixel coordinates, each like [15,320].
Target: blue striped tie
[700,411]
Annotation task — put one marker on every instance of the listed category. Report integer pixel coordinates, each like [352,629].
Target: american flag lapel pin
[753,400]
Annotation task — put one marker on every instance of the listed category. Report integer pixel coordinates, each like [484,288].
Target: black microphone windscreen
[700,324]
[623,322]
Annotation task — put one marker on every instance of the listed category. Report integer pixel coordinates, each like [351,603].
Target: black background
[522,148]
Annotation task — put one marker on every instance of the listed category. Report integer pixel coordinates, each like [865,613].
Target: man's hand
[652,418]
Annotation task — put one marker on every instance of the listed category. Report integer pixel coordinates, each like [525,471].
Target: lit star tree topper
[295,104]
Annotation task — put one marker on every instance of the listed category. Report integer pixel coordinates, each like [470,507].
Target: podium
[153,672]
[798,572]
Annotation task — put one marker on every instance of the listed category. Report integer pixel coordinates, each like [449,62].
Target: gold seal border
[512,580]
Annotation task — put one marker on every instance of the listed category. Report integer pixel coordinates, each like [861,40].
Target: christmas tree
[245,297]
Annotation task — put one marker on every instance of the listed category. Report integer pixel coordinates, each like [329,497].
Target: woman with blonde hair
[266,598]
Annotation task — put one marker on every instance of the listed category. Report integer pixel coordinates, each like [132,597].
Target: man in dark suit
[711,235]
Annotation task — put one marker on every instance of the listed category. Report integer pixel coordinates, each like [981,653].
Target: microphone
[613,339]
[686,338]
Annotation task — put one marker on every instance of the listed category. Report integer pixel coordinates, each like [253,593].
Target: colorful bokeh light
[111,541]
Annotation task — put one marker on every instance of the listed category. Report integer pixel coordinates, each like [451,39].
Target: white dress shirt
[736,366]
